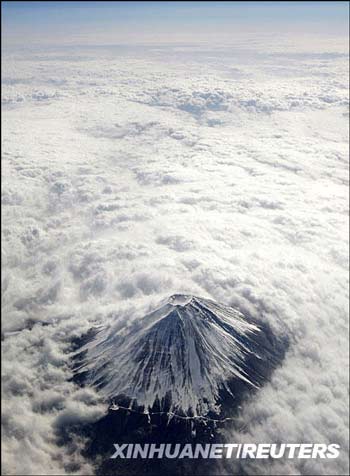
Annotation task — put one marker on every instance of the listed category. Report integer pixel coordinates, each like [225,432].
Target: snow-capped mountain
[184,356]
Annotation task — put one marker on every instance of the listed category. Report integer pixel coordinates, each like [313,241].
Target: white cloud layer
[130,175]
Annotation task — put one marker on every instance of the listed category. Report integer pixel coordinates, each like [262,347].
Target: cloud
[129,177]
[176,243]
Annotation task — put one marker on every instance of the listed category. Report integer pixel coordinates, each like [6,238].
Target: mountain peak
[183,357]
[180,299]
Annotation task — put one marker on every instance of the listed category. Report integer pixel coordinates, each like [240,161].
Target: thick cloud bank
[133,174]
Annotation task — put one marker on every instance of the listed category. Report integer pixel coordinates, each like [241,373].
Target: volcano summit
[190,357]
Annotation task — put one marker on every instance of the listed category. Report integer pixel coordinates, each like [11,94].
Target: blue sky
[66,19]
[80,12]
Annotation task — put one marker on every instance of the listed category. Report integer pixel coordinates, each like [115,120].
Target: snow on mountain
[183,355]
